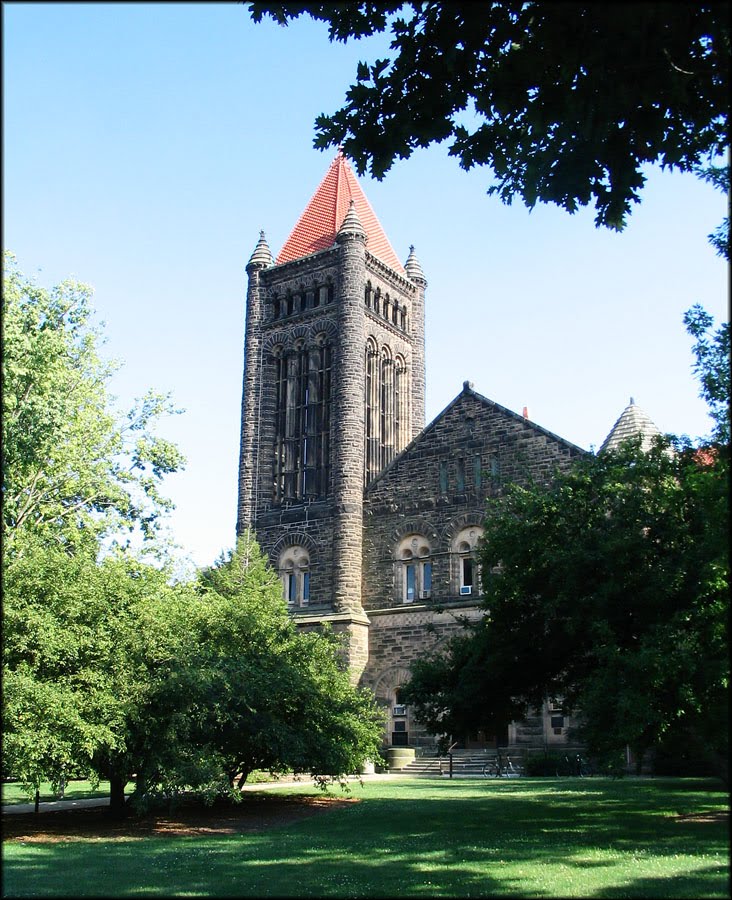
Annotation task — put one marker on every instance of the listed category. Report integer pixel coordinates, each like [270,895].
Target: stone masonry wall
[440,484]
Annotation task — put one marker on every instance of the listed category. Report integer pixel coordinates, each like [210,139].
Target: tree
[85,644]
[74,474]
[72,467]
[718,177]
[611,592]
[273,697]
[565,102]
[612,595]
[712,354]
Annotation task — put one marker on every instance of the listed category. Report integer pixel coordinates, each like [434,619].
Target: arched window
[294,570]
[371,412]
[414,568]
[386,408]
[301,465]
[368,294]
[466,568]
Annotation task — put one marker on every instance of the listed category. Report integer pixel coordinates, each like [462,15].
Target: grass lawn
[13,794]
[424,838]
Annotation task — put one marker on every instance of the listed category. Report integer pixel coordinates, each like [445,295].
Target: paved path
[56,805]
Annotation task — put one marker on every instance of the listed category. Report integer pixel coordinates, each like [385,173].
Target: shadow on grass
[418,839]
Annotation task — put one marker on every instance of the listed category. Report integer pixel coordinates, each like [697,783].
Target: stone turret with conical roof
[262,256]
[419,387]
[260,259]
[633,422]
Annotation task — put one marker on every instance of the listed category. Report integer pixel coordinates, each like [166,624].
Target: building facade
[371,519]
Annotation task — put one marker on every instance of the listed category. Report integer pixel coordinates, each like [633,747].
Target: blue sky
[145,145]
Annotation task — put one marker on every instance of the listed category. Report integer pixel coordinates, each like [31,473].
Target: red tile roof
[317,227]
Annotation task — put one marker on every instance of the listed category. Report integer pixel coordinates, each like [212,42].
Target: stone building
[370,518]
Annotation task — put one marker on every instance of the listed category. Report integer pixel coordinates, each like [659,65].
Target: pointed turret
[413,268]
[352,226]
[633,422]
[262,257]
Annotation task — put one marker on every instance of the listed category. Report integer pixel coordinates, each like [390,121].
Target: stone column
[416,276]
[348,424]
[252,387]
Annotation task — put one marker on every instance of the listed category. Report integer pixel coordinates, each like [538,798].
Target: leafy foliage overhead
[565,102]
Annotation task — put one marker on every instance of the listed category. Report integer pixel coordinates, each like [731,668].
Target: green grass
[13,794]
[424,838]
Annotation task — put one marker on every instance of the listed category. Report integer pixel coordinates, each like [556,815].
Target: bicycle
[578,767]
[495,769]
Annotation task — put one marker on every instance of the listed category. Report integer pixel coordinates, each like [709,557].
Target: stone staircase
[465,763]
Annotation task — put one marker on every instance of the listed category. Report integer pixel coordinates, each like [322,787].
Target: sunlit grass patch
[425,838]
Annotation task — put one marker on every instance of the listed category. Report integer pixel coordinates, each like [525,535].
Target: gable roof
[633,421]
[317,227]
[468,395]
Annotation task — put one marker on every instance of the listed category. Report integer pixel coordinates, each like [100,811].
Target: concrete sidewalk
[58,805]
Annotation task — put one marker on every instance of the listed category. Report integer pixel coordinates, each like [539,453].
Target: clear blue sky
[145,146]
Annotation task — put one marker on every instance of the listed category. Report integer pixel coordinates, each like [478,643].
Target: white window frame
[294,571]
[414,553]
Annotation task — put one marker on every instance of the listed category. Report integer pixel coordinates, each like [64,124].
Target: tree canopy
[565,102]
[111,667]
[72,466]
[607,589]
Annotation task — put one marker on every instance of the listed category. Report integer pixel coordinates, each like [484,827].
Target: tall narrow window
[371,412]
[477,471]
[466,571]
[301,465]
[460,476]
[280,367]
[387,408]
[401,404]
[443,476]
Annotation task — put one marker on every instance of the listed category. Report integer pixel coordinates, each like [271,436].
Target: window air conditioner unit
[399,711]
[466,589]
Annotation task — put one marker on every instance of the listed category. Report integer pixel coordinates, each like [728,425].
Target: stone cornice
[388,274]
[347,618]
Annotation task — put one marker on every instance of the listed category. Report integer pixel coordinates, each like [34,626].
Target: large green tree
[88,646]
[220,682]
[73,467]
[275,697]
[608,588]
[111,668]
[565,102]
[77,477]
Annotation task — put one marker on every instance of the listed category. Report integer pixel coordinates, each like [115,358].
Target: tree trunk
[117,784]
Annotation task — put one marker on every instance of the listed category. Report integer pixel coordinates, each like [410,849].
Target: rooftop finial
[413,268]
[262,257]
[351,223]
